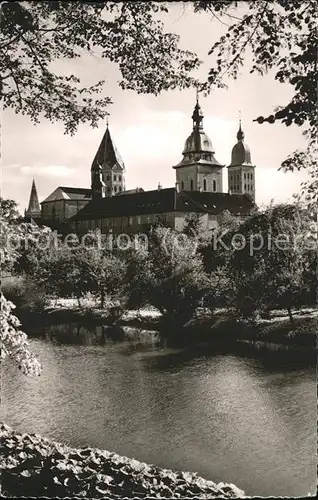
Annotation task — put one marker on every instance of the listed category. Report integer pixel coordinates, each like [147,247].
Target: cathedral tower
[241,172]
[34,210]
[199,170]
[98,185]
[110,165]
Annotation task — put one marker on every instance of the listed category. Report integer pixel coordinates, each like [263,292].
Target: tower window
[108,177]
[191,185]
[214,185]
[119,188]
[119,177]
[115,177]
[204,184]
[245,187]
[182,185]
[115,189]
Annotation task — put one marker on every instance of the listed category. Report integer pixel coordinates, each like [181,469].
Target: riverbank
[37,467]
[276,333]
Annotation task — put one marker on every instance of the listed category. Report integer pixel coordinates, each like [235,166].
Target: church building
[198,189]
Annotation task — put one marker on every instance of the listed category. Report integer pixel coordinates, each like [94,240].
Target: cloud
[47,170]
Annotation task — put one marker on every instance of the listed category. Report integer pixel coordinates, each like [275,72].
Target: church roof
[163,201]
[34,206]
[69,193]
[75,192]
[107,153]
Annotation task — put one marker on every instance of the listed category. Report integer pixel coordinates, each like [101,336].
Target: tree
[272,266]
[13,342]
[103,272]
[280,35]
[60,272]
[35,35]
[34,241]
[9,211]
[170,276]
[194,228]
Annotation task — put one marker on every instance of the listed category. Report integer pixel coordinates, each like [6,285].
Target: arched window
[214,185]
[191,185]
[115,189]
[119,177]
[108,177]
[182,185]
[119,188]
[115,177]
[204,184]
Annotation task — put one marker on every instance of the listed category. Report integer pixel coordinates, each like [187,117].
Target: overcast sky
[150,131]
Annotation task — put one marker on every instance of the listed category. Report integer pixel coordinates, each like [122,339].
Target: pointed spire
[240,134]
[197,115]
[34,206]
[107,153]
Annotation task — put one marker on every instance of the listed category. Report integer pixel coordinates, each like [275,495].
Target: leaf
[26,473]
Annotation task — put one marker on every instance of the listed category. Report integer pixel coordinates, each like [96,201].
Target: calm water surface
[229,418]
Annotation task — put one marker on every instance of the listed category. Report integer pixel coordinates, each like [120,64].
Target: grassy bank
[36,467]
[219,329]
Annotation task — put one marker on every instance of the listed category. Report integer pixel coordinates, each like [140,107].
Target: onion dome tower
[241,171]
[199,170]
[109,161]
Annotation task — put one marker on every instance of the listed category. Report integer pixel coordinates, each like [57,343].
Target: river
[230,418]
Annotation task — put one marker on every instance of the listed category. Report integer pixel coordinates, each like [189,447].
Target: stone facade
[62,204]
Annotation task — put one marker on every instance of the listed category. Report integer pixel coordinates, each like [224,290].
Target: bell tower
[241,171]
[199,170]
[98,185]
[111,164]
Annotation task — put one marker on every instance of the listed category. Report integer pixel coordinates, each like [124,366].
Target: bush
[25,293]
[13,289]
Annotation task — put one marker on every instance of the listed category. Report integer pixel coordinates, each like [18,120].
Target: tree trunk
[102,299]
[291,319]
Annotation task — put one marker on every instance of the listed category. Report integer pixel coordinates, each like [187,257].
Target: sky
[150,131]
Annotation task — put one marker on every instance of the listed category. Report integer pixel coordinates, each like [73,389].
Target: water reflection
[227,417]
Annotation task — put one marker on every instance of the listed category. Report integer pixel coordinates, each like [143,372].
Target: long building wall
[138,223]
